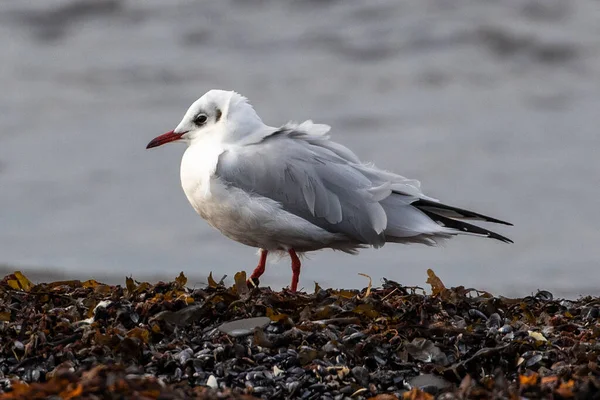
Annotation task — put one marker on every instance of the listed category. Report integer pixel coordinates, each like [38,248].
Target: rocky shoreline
[88,340]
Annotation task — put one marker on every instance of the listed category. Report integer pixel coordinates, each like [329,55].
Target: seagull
[292,189]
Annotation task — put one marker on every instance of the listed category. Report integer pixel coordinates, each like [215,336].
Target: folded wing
[326,184]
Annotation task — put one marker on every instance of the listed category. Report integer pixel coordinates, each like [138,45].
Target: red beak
[165,138]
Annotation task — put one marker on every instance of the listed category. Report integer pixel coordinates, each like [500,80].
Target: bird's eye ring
[200,119]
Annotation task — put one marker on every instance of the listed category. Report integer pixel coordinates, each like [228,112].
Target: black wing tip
[489,234]
[462,226]
[468,214]
[504,239]
[499,221]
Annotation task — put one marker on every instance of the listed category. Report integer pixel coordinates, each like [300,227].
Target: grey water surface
[493,105]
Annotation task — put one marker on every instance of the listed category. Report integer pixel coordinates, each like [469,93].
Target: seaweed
[76,339]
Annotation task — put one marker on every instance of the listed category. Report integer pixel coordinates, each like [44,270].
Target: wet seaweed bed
[75,339]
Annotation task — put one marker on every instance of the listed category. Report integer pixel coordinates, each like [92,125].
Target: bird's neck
[250,132]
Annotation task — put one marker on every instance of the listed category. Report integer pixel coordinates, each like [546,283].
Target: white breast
[197,166]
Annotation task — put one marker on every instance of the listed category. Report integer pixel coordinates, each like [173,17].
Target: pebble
[212,382]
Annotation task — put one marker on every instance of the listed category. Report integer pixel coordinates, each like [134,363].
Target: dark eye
[200,119]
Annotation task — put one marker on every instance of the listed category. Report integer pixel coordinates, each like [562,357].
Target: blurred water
[493,105]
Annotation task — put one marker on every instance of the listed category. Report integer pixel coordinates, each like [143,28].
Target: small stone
[244,327]
[495,321]
[429,383]
[347,390]
[361,374]
[212,382]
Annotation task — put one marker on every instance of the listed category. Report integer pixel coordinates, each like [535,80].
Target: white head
[226,116]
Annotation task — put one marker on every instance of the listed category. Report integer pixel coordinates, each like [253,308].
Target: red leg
[295,270]
[260,268]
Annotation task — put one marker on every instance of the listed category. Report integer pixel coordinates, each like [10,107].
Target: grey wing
[325,183]
[315,179]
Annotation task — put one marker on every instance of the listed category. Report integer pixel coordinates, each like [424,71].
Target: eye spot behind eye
[219,114]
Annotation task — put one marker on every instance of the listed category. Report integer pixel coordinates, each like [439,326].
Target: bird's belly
[256,221]
[235,222]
